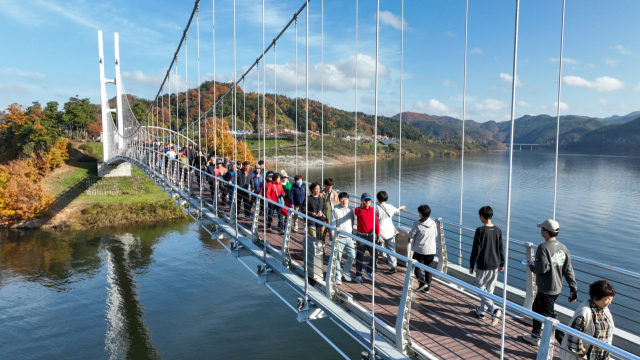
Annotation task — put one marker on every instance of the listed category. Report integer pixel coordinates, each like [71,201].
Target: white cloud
[563,106]
[449,83]
[477,51]
[622,50]
[604,102]
[135,80]
[34,76]
[591,66]
[637,88]
[389,18]
[604,83]
[523,104]
[338,76]
[508,78]
[610,62]
[13,89]
[450,33]
[491,105]
[432,105]
[564,60]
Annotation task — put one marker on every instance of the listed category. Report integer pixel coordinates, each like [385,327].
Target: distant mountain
[617,119]
[615,139]
[540,129]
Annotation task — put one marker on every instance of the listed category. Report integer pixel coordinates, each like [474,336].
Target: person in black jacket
[488,256]
[245,181]
[317,208]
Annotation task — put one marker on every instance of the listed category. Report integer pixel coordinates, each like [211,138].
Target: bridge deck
[443,321]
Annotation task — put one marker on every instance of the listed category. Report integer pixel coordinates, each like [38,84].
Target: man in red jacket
[368,229]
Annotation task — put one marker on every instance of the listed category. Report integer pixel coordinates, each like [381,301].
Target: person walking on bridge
[423,245]
[231,178]
[368,229]
[343,217]
[551,264]
[275,193]
[258,178]
[388,232]
[487,255]
[245,181]
[316,208]
[296,198]
[220,171]
[331,198]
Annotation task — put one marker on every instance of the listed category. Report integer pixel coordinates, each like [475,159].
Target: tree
[139,110]
[21,197]
[223,141]
[79,113]
[53,114]
[26,131]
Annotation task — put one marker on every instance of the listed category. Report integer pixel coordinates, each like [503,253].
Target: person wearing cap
[368,229]
[487,254]
[286,186]
[296,198]
[315,207]
[552,263]
[258,178]
[331,198]
[245,181]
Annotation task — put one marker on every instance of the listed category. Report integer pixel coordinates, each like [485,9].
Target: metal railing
[402,315]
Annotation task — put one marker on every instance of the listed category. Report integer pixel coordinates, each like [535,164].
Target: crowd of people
[373,222]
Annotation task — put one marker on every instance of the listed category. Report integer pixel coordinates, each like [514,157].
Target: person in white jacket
[592,318]
[343,217]
[388,232]
[423,245]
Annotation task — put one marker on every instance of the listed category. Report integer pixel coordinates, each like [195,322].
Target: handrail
[465,286]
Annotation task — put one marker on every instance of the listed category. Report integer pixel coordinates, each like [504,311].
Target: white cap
[550,225]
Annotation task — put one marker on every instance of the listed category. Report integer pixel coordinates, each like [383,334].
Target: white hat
[550,225]
[283,174]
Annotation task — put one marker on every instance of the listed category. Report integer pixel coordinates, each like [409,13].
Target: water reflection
[127,333]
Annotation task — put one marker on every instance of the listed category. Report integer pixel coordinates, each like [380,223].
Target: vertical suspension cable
[260,155]
[215,116]
[275,100]
[322,99]
[464,114]
[306,171]
[375,185]
[177,102]
[244,116]
[199,174]
[186,89]
[506,252]
[297,95]
[355,134]
[264,123]
[400,125]
[555,185]
[235,124]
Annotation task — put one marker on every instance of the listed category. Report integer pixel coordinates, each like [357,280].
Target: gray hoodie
[423,236]
[552,263]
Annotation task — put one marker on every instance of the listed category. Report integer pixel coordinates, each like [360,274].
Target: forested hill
[335,120]
[540,129]
[615,139]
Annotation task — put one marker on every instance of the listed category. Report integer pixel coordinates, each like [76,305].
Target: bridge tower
[107,135]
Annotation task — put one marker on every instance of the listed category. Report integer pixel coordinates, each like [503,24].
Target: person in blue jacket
[296,198]
[258,179]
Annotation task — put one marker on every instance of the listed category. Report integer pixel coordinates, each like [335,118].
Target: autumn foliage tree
[21,196]
[218,138]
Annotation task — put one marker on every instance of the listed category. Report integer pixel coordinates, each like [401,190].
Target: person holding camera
[551,264]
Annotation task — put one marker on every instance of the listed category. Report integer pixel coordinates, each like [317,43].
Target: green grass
[138,211]
[93,149]
[255,144]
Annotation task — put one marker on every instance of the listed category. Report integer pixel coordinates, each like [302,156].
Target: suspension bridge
[384,313]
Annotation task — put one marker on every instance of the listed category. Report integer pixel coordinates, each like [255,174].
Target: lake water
[169,291]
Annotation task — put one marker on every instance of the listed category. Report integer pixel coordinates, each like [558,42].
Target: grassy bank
[135,199]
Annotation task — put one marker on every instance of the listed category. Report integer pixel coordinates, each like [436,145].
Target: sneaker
[281,232]
[426,291]
[339,280]
[369,275]
[268,230]
[359,279]
[295,230]
[479,314]
[393,271]
[422,287]
[346,277]
[497,314]
[535,341]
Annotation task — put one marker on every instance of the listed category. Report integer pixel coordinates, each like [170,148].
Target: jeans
[244,199]
[390,244]
[543,305]
[270,210]
[362,247]
[486,280]
[426,260]
[345,244]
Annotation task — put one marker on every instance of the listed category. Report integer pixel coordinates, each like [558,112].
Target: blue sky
[50,52]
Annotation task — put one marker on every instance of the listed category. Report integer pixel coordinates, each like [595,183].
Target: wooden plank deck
[442,322]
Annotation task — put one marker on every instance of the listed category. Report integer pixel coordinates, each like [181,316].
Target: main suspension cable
[464,114]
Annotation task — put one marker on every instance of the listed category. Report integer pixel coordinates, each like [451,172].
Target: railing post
[286,240]
[232,208]
[545,351]
[531,287]
[255,237]
[403,335]
[443,263]
[332,267]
